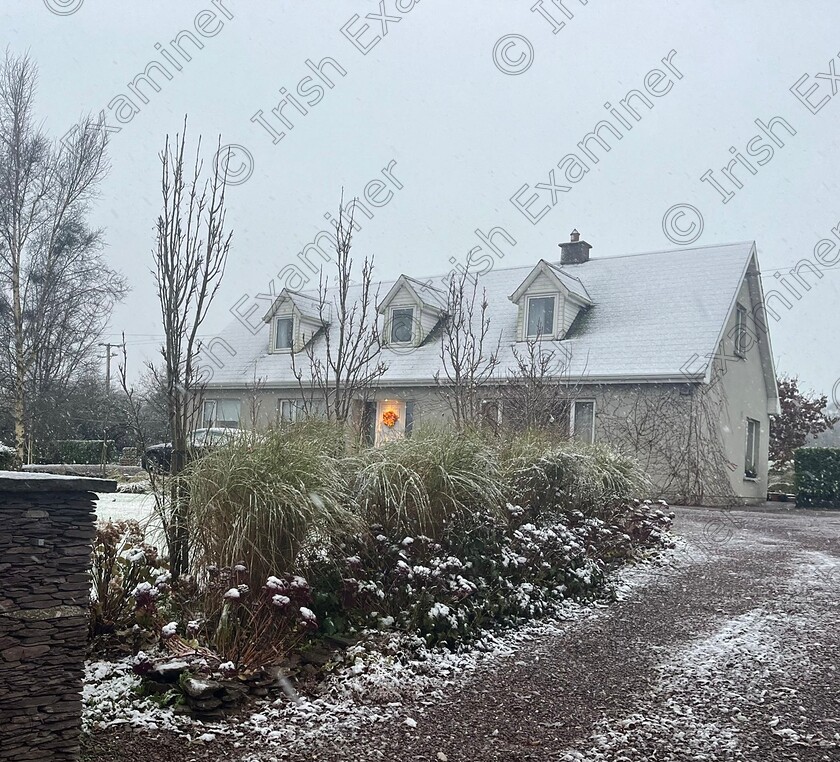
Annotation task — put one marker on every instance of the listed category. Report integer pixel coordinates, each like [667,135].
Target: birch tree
[51,275]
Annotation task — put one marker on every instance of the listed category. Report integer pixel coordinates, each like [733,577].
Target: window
[402,319]
[287,410]
[208,413]
[583,420]
[283,333]
[751,459]
[740,331]
[221,413]
[540,319]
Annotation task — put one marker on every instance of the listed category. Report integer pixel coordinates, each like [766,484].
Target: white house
[665,354]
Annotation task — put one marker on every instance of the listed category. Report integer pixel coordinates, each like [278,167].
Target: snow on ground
[123,506]
[703,694]
[372,685]
[680,559]
[119,506]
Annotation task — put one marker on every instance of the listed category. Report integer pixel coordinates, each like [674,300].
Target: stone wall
[46,529]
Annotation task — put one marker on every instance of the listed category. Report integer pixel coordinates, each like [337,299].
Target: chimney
[576,252]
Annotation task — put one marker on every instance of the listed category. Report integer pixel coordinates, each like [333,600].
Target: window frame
[573,420]
[391,311]
[207,422]
[291,319]
[546,333]
[753,432]
[293,410]
[740,338]
[213,422]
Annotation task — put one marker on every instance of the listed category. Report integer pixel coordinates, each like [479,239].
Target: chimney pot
[576,252]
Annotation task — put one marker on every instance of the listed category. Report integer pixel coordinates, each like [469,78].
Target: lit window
[283,333]
[751,458]
[401,325]
[740,331]
[540,319]
[583,420]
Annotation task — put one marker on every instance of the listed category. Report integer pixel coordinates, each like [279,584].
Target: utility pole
[108,357]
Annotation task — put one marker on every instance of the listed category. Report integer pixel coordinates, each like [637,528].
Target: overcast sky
[466,105]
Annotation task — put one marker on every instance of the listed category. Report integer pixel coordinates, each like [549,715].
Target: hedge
[87,451]
[7,457]
[817,477]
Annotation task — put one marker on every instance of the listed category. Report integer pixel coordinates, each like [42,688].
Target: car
[157,458]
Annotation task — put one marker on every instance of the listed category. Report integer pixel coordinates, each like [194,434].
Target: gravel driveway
[729,652]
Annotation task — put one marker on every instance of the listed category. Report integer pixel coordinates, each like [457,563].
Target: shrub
[8,457]
[128,579]
[426,484]
[817,477]
[552,478]
[492,572]
[253,627]
[262,500]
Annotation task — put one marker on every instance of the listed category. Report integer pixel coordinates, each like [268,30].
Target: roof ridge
[674,251]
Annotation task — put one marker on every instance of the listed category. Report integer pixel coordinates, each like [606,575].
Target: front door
[390,420]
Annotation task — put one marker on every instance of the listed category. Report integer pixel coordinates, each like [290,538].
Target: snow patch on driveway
[711,690]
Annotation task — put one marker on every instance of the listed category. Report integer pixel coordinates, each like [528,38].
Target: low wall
[46,530]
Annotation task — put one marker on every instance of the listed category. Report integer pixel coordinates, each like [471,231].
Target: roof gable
[566,284]
[307,306]
[426,295]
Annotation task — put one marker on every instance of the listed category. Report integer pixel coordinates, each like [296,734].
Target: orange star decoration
[390,418]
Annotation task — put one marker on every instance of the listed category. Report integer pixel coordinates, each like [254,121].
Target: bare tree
[342,374]
[52,279]
[192,245]
[468,357]
[538,392]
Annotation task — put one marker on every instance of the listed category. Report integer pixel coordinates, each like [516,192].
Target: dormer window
[549,301]
[411,310]
[541,311]
[295,319]
[283,334]
[402,323]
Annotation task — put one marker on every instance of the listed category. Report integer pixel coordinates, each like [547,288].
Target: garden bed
[320,579]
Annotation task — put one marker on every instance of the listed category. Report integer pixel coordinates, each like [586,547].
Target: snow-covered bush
[479,575]
[246,627]
[129,581]
[8,457]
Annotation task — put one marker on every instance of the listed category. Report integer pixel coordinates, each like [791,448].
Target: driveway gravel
[728,651]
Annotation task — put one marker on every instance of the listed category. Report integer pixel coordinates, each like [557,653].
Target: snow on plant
[129,582]
[168,630]
[253,628]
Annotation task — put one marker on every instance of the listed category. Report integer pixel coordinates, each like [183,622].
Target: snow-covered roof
[652,316]
[560,275]
[307,304]
[431,297]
